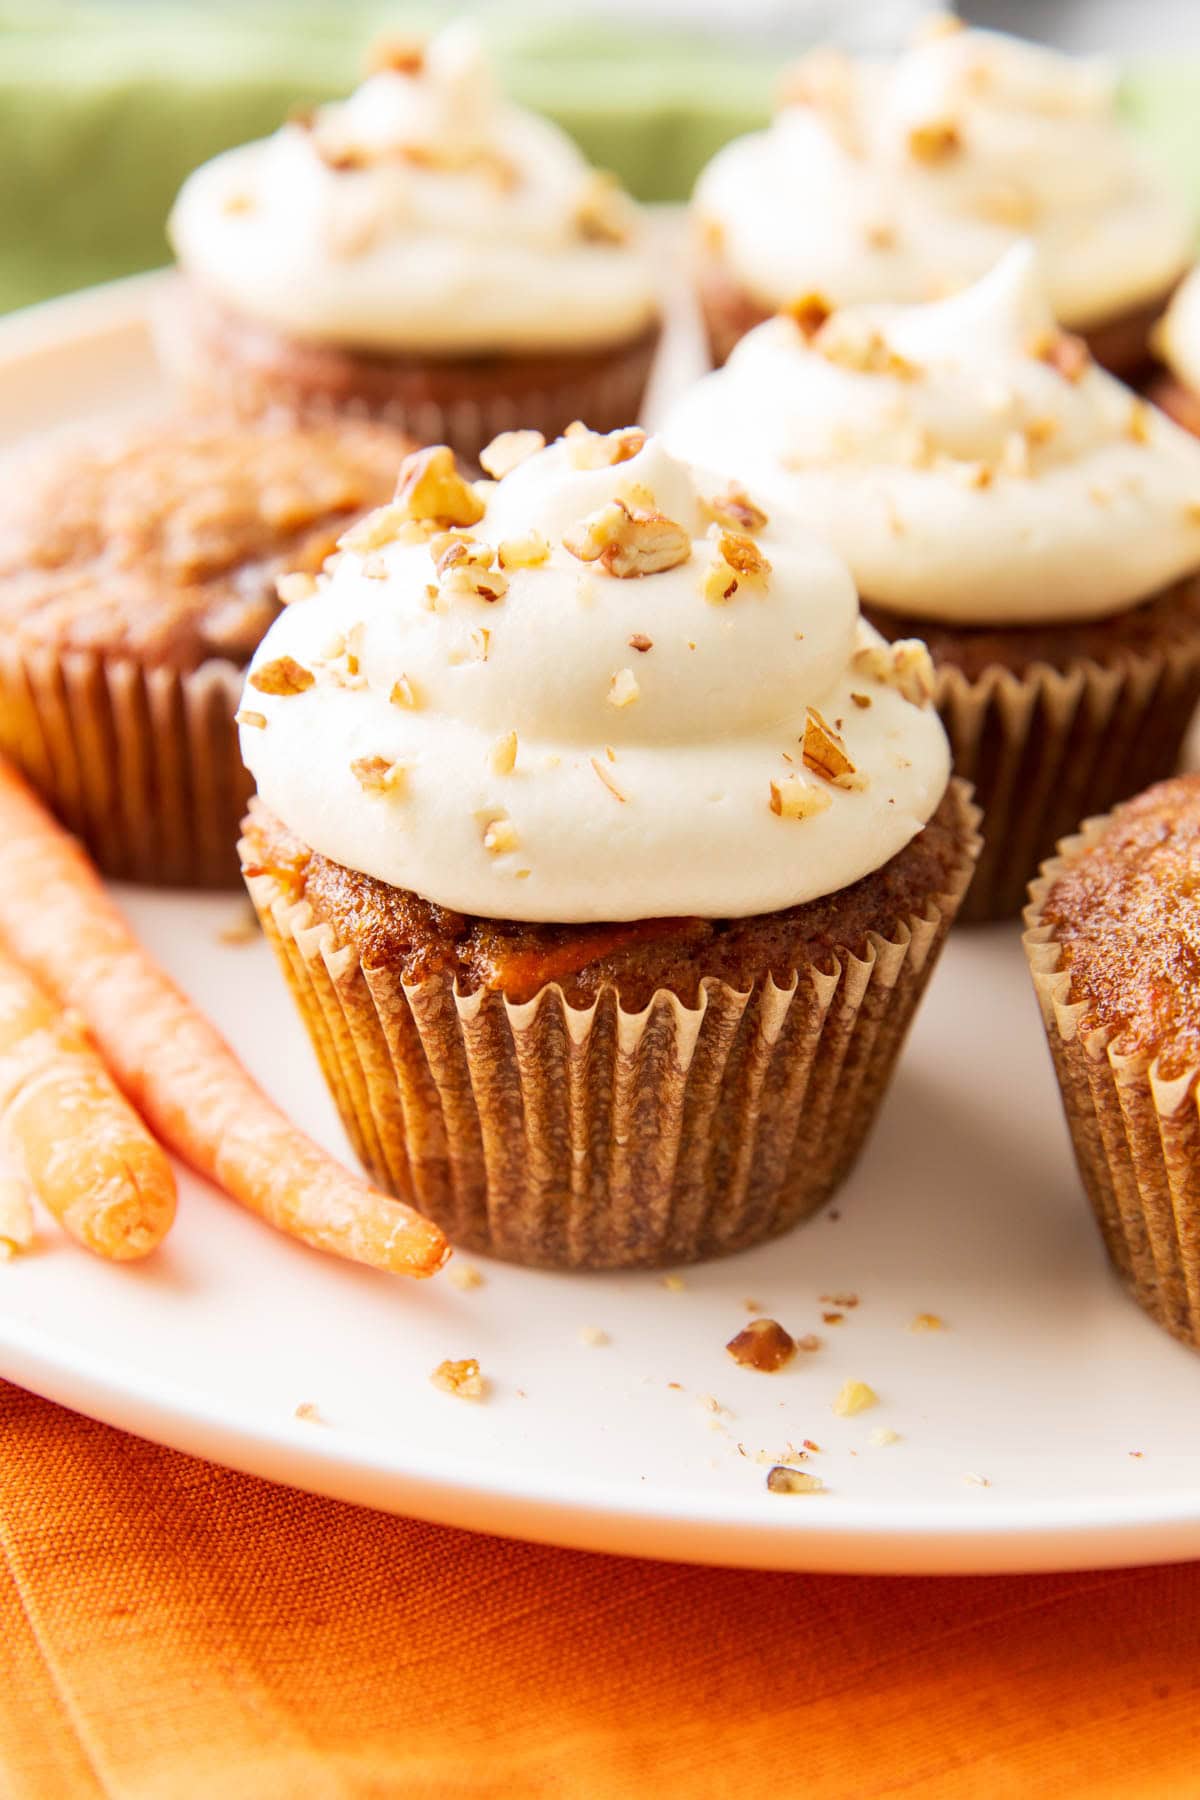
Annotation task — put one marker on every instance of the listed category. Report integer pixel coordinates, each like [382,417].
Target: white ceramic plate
[1049,1425]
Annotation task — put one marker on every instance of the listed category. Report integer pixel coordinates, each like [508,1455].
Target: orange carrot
[173,1064]
[85,1152]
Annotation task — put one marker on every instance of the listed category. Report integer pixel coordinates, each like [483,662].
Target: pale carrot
[173,1064]
[85,1152]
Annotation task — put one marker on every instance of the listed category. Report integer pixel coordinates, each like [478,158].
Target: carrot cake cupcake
[1176,385]
[423,252]
[998,494]
[605,850]
[1113,940]
[137,573]
[905,180]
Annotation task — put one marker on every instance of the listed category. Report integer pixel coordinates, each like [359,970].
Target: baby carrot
[174,1065]
[85,1152]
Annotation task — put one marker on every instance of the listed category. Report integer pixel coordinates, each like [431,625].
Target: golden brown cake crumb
[1126,914]
[763,1344]
[165,543]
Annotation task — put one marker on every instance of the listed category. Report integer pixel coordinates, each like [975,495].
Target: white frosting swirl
[834,196]
[1177,336]
[659,806]
[453,228]
[963,476]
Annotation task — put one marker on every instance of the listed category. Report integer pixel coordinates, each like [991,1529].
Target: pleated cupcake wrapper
[607,398]
[1047,748]
[1136,1134]
[141,763]
[589,1137]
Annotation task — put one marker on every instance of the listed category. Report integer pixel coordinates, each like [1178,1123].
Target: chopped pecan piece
[794,798]
[430,487]
[905,665]
[603,450]
[824,753]
[629,541]
[500,836]
[623,689]
[291,588]
[504,453]
[603,214]
[934,141]
[282,676]
[502,757]
[809,312]
[461,1378]
[1064,351]
[378,774]
[854,1397]
[735,509]
[762,1344]
[527,552]
[785,1480]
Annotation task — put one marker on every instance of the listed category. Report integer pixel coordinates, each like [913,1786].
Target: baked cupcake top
[903,180]
[164,542]
[1177,334]
[1124,911]
[966,457]
[424,214]
[590,690]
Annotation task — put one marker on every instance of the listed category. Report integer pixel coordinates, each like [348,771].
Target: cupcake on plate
[1113,941]
[605,850]
[423,252]
[909,179]
[1176,385]
[997,494]
[138,571]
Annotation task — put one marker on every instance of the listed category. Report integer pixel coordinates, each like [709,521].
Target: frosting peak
[966,457]
[424,213]
[900,180]
[594,689]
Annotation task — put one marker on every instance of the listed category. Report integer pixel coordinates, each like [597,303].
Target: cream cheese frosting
[1177,336]
[424,214]
[966,457]
[909,179]
[607,693]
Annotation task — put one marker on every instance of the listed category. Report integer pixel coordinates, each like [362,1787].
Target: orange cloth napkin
[172,1631]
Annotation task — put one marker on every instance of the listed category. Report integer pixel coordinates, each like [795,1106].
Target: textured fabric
[171,1631]
[105,105]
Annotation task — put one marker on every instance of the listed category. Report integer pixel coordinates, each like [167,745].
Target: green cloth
[105,108]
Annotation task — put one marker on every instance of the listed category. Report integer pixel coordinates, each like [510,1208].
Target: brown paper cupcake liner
[1136,1134]
[435,403]
[589,1137]
[141,763]
[1046,747]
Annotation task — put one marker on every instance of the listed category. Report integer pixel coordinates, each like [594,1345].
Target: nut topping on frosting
[501,456]
[398,55]
[824,752]
[497,726]
[283,676]
[431,489]
[904,664]
[735,509]
[602,450]
[629,541]
[809,312]
[934,141]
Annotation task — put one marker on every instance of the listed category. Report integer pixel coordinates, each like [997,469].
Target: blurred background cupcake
[606,852]
[138,570]
[998,494]
[1176,385]
[423,252]
[905,179]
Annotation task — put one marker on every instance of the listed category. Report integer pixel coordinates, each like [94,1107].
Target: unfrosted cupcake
[1176,385]
[138,571]
[605,850]
[999,495]
[1113,940]
[904,180]
[423,252]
